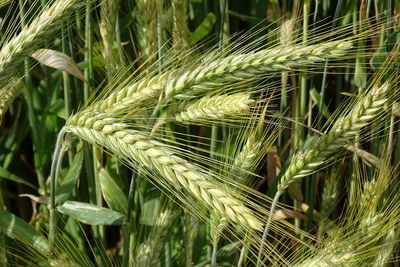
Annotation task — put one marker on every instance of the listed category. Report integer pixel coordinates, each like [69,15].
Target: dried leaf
[59,61]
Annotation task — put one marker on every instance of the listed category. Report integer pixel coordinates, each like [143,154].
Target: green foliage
[140,133]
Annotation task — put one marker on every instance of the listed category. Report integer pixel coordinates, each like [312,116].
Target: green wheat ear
[210,76]
[103,130]
[343,131]
[306,162]
[8,94]
[366,237]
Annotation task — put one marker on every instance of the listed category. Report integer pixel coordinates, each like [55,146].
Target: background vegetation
[165,132]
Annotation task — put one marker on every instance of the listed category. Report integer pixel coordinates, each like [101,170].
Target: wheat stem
[54,172]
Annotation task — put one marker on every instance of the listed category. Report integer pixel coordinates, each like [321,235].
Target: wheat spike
[212,75]
[214,107]
[18,48]
[181,31]
[8,94]
[245,66]
[247,158]
[364,112]
[101,129]
[146,17]
[109,15]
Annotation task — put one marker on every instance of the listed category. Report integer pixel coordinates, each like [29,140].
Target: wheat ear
[150,250]
[212,75]
[8,94]
[213,107]
[245,66]
[109,15]
[18,48]
[342,131]
[181,31]
[102,130]
[146,17]
[248,157]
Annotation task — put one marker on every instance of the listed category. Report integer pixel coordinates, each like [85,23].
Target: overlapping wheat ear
[207,110]
[8,94]
[146,18]
[306,162]
[366,238]
[213,107]
[183,84]
[109,17]
[103,130]
[13,53]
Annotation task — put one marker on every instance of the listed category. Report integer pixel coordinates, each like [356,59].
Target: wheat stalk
[101,129]
[13,53]
[212,75]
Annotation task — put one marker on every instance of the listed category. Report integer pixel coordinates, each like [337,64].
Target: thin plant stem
[267,226]
[127,223]
[54,172]
[214,254]
[31,114]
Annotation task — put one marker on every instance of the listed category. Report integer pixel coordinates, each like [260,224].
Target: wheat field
[199,133]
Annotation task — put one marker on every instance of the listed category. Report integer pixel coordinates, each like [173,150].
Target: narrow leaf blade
[64,191]
[16,228]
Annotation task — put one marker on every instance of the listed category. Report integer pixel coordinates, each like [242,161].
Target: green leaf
[151,208]
[112,193]
[58,108]
[72,175]
[91,214]
[204,28]
[4,174]
[316,98]
[16,228]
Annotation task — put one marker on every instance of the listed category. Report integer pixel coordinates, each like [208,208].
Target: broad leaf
[91,214]
[204,28]
[112,193]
